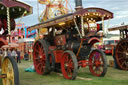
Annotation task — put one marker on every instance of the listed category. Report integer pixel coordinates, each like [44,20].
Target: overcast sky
[118,7]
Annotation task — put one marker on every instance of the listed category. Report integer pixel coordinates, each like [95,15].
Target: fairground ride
[53,8]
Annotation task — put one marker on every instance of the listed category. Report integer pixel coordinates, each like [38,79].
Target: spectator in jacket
[14,54]
[18,56]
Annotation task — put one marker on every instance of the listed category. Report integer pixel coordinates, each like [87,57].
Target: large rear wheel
[97,63]
[69,65]
[121,54]
[10,70]
[40,54]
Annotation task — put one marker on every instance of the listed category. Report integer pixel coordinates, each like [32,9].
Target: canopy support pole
[82,26]
[8,21]
[107,26]
[103,26]
[77,28]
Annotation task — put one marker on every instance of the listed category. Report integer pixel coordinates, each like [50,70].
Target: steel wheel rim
[96,63]
[122,54]
[39,58]
[67,66]
[7,68]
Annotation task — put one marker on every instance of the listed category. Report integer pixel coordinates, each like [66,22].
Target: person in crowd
[14,54]
[8,52]
[30,55]
[4,52]
[26,56]
[18,56]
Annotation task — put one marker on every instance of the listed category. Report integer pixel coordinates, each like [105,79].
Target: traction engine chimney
[78,4]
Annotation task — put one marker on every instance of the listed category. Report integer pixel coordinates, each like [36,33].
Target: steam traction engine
[68,41]
[121,50]
[10,10]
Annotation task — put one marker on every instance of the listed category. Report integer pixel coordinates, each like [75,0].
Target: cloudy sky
[118,7]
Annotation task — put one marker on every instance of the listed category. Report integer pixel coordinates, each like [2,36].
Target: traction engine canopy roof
[95,13]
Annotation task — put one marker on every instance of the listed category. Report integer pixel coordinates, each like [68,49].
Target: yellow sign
[43,30]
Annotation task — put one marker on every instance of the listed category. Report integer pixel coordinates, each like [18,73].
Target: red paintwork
[12,3]
[67,66]
[3,42]
[83,63]
[39,58]
[92,10]
[121,49]
[4,24]
[95,60]
[108,51]
[60,40]
[110,46]
[51,48]
[93,40]
[12,23]
[58,54]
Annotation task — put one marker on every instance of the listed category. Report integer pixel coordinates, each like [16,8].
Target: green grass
[113,77]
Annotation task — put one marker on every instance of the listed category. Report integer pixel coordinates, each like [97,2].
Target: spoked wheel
[40,54]
[97,63]
[122,54]
[69,65]
[10,70]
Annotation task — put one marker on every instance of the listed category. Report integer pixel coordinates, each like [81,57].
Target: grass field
[113,77]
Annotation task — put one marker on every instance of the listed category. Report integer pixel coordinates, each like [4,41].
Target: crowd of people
[15,53]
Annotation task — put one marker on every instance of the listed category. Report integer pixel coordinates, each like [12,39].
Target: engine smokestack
[78,5]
